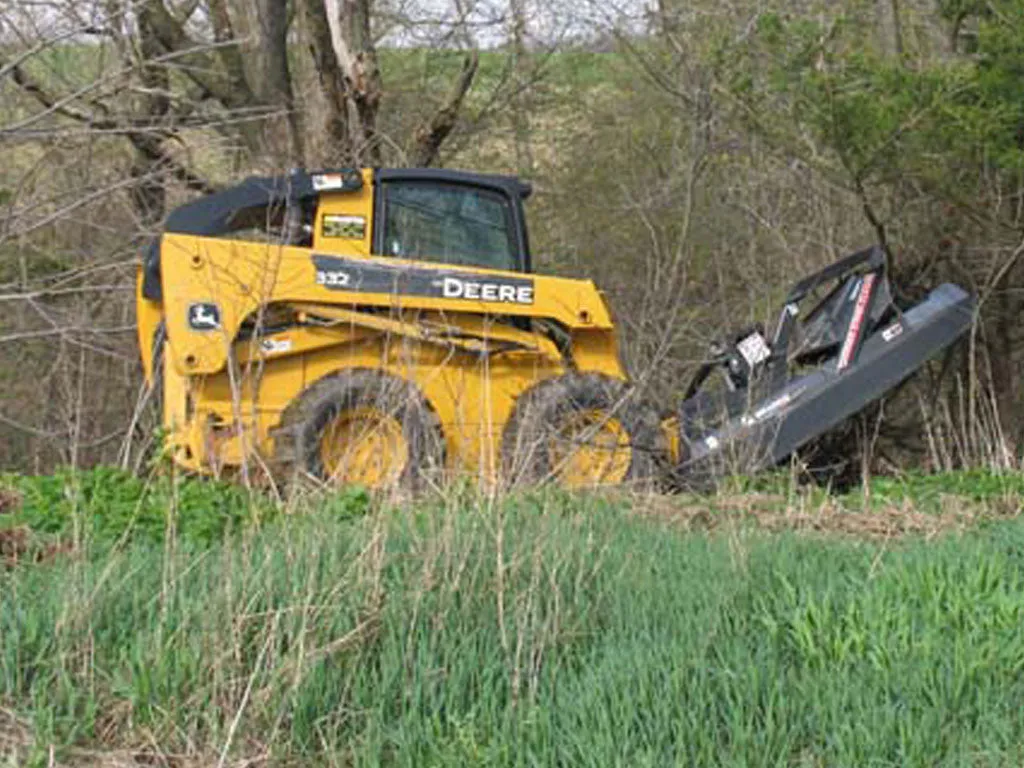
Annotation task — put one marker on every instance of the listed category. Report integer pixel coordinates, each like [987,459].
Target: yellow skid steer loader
[385,328]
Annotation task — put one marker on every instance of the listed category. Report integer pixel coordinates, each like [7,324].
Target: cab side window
[448,223]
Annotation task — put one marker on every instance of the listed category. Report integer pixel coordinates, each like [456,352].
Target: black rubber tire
[297,438]
[540,409]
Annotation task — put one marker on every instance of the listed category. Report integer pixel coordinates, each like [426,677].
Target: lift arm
[210,286]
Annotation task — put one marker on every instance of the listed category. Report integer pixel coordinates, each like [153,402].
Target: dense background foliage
[693,158]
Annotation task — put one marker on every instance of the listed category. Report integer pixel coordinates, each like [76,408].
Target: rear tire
[329,433]
[582,430]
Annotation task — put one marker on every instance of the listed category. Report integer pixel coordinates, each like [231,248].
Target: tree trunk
[332,84]
[275,83]
[220,74]
[356,54]
[149,195]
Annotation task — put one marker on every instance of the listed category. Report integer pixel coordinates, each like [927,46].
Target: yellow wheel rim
[590,448]
[363,446]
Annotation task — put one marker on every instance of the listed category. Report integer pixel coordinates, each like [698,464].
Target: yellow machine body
[281,326]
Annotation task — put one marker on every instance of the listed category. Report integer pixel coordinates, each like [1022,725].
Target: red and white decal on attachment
[867,285]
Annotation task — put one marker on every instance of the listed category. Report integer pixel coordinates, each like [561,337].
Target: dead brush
[10,500]
[829,515]
[18,546]
[15,738]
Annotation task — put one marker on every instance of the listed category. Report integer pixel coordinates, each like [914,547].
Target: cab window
[448,223]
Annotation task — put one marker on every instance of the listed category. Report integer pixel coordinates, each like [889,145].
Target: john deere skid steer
[384,327]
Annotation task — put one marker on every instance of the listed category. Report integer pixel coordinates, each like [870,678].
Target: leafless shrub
[693,223]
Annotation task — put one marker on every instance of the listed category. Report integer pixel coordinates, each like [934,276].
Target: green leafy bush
[104,505]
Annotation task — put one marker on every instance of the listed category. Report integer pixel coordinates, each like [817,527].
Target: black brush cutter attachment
[852,348]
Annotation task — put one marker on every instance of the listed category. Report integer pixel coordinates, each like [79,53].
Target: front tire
[582,430]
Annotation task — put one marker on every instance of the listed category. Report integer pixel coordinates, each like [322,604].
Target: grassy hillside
[543,630]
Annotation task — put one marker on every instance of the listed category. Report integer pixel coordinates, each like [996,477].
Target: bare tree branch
[430,136]
[276,80]
[148,144]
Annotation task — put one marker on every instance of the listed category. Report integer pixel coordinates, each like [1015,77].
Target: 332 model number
[333,278]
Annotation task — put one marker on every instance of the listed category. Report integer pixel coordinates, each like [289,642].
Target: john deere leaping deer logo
[204,317]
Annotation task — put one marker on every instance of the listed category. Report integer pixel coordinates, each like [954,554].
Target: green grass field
[182,621]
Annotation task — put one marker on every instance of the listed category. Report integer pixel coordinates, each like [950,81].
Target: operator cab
[420,214]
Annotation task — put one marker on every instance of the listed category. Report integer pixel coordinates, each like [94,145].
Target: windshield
[448,223]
